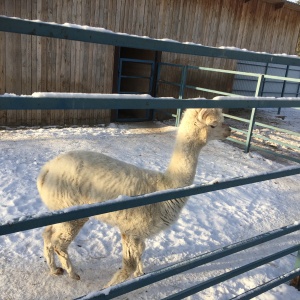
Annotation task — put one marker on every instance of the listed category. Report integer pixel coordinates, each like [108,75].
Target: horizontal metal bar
[218,279]
[197,88]
[291,158]
[69,214]
[260,136]
[239,130]
[262,125]
[101,36]
[281,78]
[135,77]
[224,71]
[117,102]
[192,263]
[161,81]
[277,128]
[138,61]
[268,285]
[171,65]
[236,118]
[236,141]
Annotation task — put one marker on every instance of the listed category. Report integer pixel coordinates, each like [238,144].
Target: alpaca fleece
[84,177]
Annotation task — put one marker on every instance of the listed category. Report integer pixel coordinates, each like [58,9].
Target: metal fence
[258,85]
[58,101]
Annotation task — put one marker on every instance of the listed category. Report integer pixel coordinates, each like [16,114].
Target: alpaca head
[206,122]
[212,123]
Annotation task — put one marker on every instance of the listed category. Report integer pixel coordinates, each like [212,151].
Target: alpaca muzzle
[227,130]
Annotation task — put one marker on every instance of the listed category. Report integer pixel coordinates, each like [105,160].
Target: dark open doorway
[135,73]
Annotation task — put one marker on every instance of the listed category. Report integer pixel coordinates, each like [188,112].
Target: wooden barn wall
[29,64]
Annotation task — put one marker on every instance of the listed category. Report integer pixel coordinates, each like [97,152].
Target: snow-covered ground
[281,142]
[208,222]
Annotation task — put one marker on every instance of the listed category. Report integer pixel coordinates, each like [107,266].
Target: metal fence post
[253,113]
[297,264]
[283,87]
[181,92]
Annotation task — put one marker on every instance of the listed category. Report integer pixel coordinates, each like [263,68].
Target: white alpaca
[83,177]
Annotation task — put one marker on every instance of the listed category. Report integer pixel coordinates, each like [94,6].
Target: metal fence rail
[84,101]
[101,101]
[197,261]
[260,80]
[69,214]
[107,37]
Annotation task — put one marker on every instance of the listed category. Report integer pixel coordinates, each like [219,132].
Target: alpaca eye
[212,126]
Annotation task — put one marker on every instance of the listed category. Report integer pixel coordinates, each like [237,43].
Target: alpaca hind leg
[133,249]
[63,235]
[49,252]
[139,268]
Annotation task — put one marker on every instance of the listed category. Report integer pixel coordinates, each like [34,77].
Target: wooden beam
[279,5]
[276,3]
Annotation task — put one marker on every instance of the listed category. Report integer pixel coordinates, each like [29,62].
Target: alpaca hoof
[295,282]
[105,286]
[137,274]
[75,276]
[58,272]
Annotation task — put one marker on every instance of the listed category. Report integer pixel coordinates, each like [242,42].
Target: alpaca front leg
[139,269]
[49,252]
[133,249]
[62,235]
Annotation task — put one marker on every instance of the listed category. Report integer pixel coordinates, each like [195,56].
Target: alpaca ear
[210,116]
[202,114]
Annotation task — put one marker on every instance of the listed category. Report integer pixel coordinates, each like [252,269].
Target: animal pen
[97,101]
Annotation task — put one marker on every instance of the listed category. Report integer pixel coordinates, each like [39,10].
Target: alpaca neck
[182,167]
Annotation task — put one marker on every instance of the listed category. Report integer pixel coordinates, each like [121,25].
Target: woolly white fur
[82,177]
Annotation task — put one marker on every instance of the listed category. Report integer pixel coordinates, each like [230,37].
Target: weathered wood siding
[29,64]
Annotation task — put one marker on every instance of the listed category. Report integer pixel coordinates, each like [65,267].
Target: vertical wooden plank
[13,62]
[3,113]
[295,34]
[59,54]
[39,70]
[34,74]
[50,62]
[66,60]
[147,17]
[287,36]
[78,58]
[26,60]
[52,66]
[2,53]
[73,63]
[43,55]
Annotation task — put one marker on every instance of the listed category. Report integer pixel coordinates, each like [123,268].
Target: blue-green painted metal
[283,88]
[291,158]
[31,222]
[260,85]
[297,264]
[148,113]
[192,263]
[181,93]
[218,279]
[275,141]
[253,113]
[268,286]
[262,125]
[118,102]
[210,91]
[96,35]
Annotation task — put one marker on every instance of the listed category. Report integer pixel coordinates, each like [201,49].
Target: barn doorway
[135,73]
